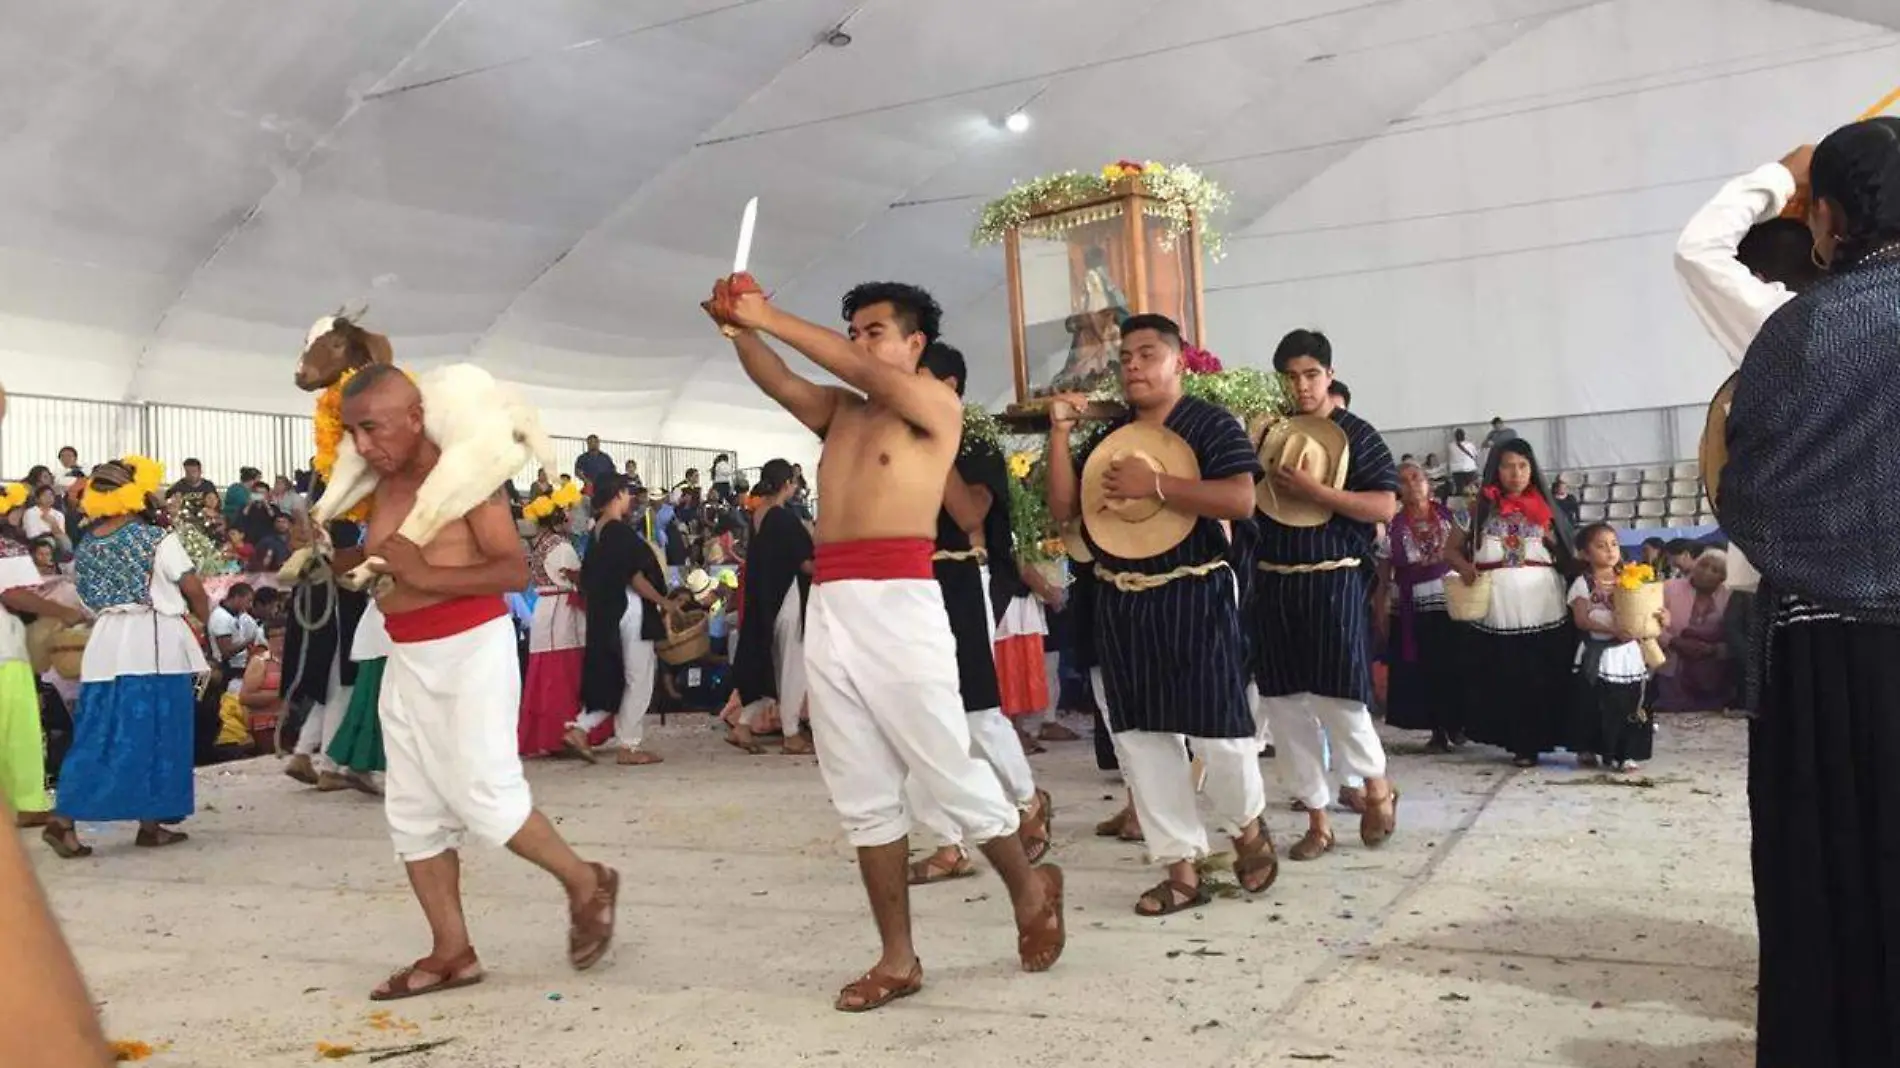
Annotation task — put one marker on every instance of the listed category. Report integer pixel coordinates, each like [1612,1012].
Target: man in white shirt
[1740,262]
[233,632]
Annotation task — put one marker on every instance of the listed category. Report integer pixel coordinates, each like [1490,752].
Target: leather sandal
[873,991]
[1040,947]
[1381,820]
[1313,846]
[1171,897]
[1252,859]
[589,934]
[932,869]
[160,838]
[462,970]
[64,840]
[1036,834]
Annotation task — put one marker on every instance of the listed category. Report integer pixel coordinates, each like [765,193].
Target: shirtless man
[879,654]
[451,689]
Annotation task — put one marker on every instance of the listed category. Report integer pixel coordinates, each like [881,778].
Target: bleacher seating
[1666,495]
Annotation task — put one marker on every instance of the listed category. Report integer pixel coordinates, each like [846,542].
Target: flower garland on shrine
[1180,191]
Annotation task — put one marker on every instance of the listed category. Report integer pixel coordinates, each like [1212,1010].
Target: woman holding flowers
[131,754]
[1518,655]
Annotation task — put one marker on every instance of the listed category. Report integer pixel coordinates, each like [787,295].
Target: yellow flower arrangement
[148,477]
[1635,576]
[13,495]
[540,508]
[1019,464]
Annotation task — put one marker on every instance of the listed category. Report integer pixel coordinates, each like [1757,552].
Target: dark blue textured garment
[1812,488]
[131,752]
[1174,659]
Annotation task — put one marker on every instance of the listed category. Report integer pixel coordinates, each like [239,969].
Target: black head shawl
[1564,555]
[1812,488]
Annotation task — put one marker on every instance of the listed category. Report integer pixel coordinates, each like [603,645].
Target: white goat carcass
[487,434]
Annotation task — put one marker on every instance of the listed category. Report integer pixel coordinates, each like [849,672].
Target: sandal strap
[872,989]
[1170,894]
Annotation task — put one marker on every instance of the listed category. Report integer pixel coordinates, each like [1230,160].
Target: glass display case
[1077,271]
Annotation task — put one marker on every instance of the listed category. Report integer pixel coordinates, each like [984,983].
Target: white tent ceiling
[1474,196]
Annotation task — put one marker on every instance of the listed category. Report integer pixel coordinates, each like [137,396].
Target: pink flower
[1199,361]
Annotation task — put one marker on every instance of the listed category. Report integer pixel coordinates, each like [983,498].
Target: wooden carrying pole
[1018,341]
[1137,252]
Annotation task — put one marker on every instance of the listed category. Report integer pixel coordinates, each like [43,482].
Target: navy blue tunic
[1174,659]
[964,598]
[1312,632]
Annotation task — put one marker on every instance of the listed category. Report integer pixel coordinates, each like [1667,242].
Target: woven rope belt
[981,556]
[1348,564]
[1129,582]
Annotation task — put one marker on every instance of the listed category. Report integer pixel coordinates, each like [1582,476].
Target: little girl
[1607,718]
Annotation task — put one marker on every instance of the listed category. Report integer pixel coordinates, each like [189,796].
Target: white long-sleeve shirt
[1729,299]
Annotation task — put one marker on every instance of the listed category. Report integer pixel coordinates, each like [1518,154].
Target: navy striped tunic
[964,599]
[1312,632]
[1174,659]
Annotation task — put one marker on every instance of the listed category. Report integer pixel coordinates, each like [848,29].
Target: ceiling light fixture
[1016,122]
[836,37]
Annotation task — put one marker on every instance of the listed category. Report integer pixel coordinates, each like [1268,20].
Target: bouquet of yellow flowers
[1637,603]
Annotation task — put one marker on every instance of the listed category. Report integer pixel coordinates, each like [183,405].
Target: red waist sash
[874,559]
[443,620]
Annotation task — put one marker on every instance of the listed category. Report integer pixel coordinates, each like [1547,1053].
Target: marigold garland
[148,476]
[13,496]
[1181,191]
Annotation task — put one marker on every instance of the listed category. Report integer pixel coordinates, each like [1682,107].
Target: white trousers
[994,740]
[886,707]
[1302,724]
[450,710]
[788,657]
[1158,773]
[639,663]
[320,726]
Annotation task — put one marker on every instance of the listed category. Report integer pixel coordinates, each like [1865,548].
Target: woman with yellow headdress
[131,754]
[22,746]
[557,634]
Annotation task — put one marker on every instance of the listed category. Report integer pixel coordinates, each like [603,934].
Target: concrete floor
[1519,918]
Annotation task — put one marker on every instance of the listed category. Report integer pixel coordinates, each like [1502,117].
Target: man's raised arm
[809,402]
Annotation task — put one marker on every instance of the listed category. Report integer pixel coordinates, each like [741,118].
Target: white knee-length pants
[1302,724]
[993,739]
[788,659]
[639,663]
[885,706]
[450,709]
[1158,773]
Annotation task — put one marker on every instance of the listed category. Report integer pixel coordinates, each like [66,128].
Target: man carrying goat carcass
[451,686]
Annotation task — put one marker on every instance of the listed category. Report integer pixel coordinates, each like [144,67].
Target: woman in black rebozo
[618,664]
[1811,494]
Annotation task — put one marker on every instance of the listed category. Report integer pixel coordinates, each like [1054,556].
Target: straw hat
[1317,446]
[1136,530]
[698,583]
[1712,455]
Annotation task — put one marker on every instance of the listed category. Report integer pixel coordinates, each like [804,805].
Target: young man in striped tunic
[1167,629]
[973,535]
[1311,611]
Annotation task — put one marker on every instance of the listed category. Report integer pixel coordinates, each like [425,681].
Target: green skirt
[22,746]
[358,744]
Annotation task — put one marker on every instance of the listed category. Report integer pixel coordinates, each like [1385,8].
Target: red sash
[874,559]
[443,620]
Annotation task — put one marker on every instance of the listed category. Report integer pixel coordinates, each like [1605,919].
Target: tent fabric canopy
[1476,198]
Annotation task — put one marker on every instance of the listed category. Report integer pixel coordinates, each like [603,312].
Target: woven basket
[1467,604]
[67,650]
[686,645]
[1635,611]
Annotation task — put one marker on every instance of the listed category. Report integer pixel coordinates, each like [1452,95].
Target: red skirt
[1021,675]
[550,700]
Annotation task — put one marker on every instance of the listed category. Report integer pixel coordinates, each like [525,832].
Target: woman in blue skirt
[131,755]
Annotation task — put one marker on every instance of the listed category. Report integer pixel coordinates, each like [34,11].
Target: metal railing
[37,427]
[1637,438]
